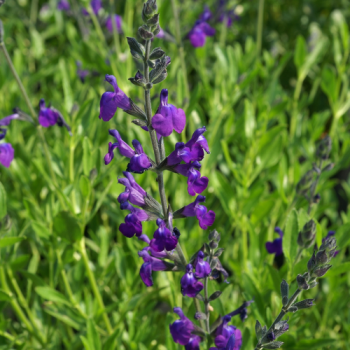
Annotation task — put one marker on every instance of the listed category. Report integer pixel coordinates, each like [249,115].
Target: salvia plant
[307,255]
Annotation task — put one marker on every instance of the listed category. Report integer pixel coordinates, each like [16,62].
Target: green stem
[115,32]
[10,337]
[94,286]
[206,305]
[181,49]
[259,29]
[71,169]
[313,188]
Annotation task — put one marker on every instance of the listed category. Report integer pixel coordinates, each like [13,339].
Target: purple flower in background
[47,115]
[6,154]
[150,264]
[110,101]
[5,122]
[199,32]
[181,330]
[275,247]
[63,5]
[206,218]
[168,117]
[206,14]
[202,267]
[242,311]
[139,162]
[161,34]
[193,343]
[190,286]
[133,193]
[163,238]
[224,332]
[96,5]
[231,344]
[118,23]
[229,16]
[82,73]
[330,234]
[132,222]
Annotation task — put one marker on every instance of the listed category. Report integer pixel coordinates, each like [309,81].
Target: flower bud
[153,21]
[139,80]
[328,167]
[213,245]
[321,257]
[176,232]
[324,148]
[321,271]
[302,283]
[156,54]
[305,304]
[145,33]
[311,263]
[149,10]
[156,31]
[214,235]
[305,183]
[307,235]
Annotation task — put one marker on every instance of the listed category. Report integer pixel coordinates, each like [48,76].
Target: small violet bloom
[133,193]
[82,73]
[6,154]
[199,32]
[150,264]
[181,330]
[162,254]
[202,267]
[206,218]
[242,311]
[330,234]
[190,286]
[110,101]
[206,14]
[49,116]
[275,247]
[5,122]
[224,333]
[231,344]
[118,23]
[63,5]
[96,5]
[132,225]
[168,117]
[139,162]
[191,151]
[194,342]
[163,238]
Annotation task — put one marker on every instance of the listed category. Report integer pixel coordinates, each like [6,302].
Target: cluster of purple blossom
[48,116]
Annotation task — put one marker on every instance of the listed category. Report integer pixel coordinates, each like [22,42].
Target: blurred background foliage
[265,110]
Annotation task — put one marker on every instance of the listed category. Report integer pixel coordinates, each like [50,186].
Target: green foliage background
[264,115]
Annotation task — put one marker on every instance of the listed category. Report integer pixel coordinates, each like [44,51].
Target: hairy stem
[206,305]
[94,286]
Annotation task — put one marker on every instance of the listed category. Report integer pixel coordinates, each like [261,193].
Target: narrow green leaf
[4,296]
[3,206]
[7,241]
[67,227]
[300,52]
[85,187]
[249,119]
[87,161]
[64,318]
[289,241]
[52,295]
[93,337]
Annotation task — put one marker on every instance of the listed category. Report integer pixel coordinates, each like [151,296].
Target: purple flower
[162,254]
[161,34]
[5,122]
[202,267]
[118,23]
[132,225]
[63,5]
[219,269]
[181,330]
[194,342]
[110,101]
[206,14]
[190,286]
[133,193]
[82,73]
[6,154]
[275,247]
[139,162]
[96,5]
[47,115]
[168,117]
[330,234]
[195,183]
[206,218]
[191,151]
[150,264]
[231,344]
[230,17]
[242,310]
[163,238]
[199,32]
[224,332]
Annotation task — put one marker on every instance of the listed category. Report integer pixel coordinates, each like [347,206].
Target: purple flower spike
[163,238]
[132,225]
[110,101]
[195,183]
[139,162]
[242,311]
[181,330]
[47,116]
[6,154]
[202,267]
[63,5]
[206,218]
[190,286]
[150,264]
[275,247]
[134,193]
[168,117]
[194,342]
[224,333]
[199,32]
[118,23]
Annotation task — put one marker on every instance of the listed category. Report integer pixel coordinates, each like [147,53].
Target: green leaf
[66,226]
[4,296]
[3,206]
[52,295]
[85,343]
[300,52]
[110,343]
[40,229]
[329,84]
[338,270]
[85,187]
[289,242]
[308,344]
[7,241]
[64,318]
[87,160]
[38,281]
[249,119]
[93,337]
